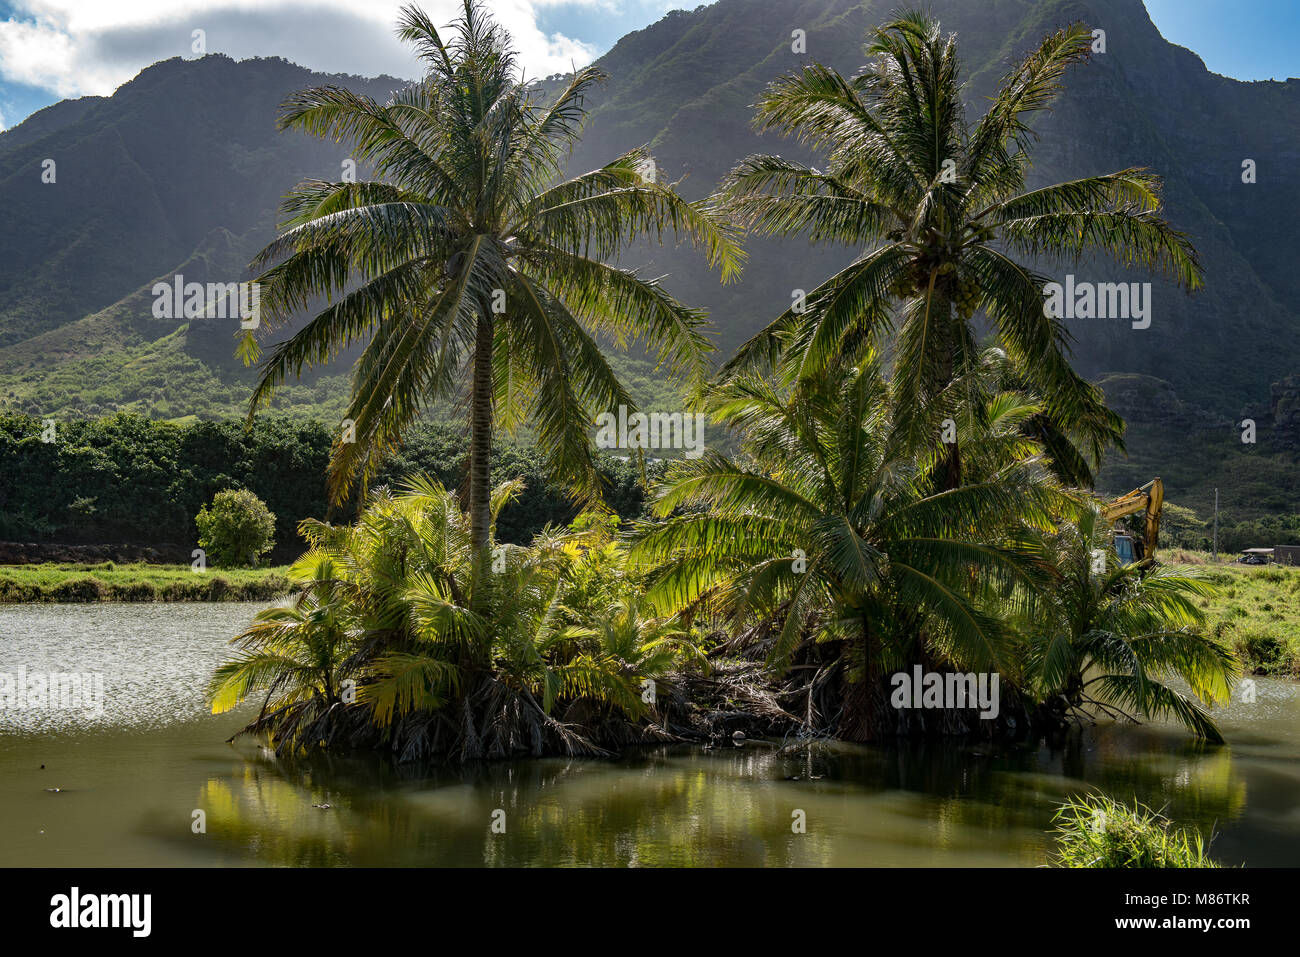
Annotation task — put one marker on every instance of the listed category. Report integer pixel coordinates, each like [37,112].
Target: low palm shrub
[1112,636]
[831,547]
[398,639]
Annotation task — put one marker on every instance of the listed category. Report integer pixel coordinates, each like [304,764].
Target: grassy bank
[107,581]
[1257,608]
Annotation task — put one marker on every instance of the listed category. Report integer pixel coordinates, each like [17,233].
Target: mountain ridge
[181,170]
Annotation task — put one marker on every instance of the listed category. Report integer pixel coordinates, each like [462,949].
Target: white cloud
[79,47]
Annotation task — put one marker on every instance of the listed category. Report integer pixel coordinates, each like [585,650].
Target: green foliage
[127,479]
[549,650]
[1111,639]
[237,529]
[145,480]
[1182,528]
[1096,831]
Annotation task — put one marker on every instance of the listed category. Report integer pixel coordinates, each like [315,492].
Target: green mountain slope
[180,171]
[1143,102]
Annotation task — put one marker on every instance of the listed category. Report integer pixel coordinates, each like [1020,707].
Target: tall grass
[1096,831]
[1256,611]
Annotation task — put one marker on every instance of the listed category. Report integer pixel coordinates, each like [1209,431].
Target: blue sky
[603,29]
[51,49]
[1245,39]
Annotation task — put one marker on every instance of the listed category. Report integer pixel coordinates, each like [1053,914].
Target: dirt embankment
[35,553]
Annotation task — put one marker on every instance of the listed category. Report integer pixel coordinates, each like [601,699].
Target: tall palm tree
[939,205]
[1115,635]
[468,258]
[832,532]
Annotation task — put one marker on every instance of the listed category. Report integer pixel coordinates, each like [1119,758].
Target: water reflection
[916,804]
[130,783]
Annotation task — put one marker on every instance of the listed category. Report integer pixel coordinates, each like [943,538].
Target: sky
[54,49]
[1243,39]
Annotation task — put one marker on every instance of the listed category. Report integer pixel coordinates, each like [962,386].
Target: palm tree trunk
[856,720]
[952,468]
[950,475]
[860,712]
[480,441]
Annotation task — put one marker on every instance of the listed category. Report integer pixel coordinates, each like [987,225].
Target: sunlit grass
[1255,607]
[1096,831]
[108,581]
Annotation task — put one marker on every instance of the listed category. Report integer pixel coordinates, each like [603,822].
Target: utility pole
[1216,524]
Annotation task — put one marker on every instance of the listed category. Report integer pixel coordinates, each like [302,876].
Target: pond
[131,772]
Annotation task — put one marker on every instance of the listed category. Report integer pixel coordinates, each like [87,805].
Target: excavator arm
[1155,503]
[1149,498]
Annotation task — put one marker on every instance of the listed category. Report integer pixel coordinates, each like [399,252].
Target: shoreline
[1252,604]
[68,582]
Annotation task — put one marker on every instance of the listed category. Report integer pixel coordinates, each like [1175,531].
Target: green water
[131,777]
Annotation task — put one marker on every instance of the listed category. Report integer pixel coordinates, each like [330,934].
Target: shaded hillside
[142,178]
[685,85]
[181,171]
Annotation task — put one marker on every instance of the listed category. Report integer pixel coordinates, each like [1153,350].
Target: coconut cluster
[963,292]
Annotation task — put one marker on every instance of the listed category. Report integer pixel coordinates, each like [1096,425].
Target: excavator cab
[1124,549]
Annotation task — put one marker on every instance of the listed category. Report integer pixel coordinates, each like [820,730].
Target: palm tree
[384,602]
[833,532]
[994,407]
[298,654]
[940,207]
[1115,635]
[467,258]
[543,666]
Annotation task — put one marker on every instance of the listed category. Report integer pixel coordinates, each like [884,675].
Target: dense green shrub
[1262,649]
[133,591]
[237,530]
[80,589]
[550,653]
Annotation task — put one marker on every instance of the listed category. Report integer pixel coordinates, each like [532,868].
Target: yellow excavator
[1149,498]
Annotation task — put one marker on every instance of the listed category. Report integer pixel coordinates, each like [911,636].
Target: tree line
[127,479]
